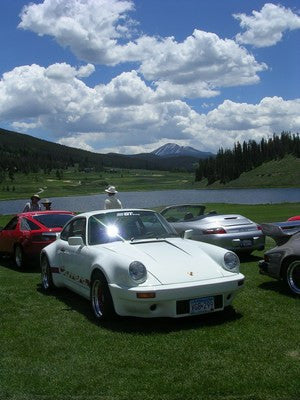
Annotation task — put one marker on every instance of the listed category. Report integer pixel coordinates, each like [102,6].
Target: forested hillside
[24,153]
[229,164]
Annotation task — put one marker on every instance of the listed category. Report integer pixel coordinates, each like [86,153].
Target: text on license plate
[202,305]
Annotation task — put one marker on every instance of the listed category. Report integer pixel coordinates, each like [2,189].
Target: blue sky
[129,76]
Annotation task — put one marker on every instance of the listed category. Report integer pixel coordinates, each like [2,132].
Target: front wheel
[101,300]
[46,275]
[292,276]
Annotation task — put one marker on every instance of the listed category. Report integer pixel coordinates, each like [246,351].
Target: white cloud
[56,100]
[266,28]
[202,57]
[97,31]
[91,28]
[272,114]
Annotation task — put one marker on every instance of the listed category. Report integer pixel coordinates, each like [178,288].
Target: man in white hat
[112,202]
[33,205]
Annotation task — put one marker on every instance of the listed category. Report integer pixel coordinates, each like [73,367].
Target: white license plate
[202,305]
[246,243]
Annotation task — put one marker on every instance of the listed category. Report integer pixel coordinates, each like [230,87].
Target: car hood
[171,260]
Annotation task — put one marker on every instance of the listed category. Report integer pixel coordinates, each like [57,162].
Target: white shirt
[32,207]
[112,202]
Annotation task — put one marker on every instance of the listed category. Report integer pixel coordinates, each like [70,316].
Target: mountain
[25,153]
[173,149]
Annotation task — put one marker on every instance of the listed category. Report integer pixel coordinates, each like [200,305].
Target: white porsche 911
[132,262]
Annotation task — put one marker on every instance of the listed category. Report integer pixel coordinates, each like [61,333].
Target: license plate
[202,305]
[246,243]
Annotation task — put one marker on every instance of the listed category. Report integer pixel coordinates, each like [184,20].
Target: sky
[128,76]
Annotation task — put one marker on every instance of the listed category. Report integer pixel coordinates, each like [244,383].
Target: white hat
[111,189]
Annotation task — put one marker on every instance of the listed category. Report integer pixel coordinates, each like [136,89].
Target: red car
[27,233]
[295,218]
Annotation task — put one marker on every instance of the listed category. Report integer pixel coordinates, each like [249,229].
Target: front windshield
[127,225]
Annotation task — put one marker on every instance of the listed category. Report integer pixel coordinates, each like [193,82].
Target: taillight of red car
[214,231]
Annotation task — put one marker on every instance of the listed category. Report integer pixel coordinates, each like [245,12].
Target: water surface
[166,197]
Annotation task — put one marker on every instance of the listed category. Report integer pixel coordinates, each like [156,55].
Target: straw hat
[111,190]
[46,201]
[35,196]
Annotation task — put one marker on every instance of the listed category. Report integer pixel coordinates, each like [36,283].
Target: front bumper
[270,269]
[174,300]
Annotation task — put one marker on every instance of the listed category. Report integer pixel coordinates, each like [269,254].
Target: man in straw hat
[33,204]
[112,202]
[47,204]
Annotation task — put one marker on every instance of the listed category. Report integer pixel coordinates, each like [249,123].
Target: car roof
[51,212]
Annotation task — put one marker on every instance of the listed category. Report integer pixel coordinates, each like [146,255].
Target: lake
[166,197]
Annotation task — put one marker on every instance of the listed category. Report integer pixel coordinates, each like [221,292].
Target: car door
[74,257]
[8,236]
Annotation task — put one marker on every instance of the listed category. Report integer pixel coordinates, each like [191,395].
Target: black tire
[292,276]
[46,275]
[19,257]
[101,300]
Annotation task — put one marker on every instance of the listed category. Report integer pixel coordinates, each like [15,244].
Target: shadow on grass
[7,262]
[249,258]
[277,286]
[142,326]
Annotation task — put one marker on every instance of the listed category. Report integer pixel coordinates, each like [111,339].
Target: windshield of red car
[53,220]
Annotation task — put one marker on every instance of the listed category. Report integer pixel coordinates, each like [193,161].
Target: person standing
[112,202]
[47,204]
[33,204]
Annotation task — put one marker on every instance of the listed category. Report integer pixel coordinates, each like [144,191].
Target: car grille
[183,306]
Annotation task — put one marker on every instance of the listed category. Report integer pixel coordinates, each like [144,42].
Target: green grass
[283,173]
[81,183]
[276,173]
[51,348]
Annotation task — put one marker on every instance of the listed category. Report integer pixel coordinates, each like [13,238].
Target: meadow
[71,182]
[52,349]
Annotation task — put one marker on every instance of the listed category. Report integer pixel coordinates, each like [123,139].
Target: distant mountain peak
[173,149]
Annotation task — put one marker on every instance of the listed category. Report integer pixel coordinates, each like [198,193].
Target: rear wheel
[46,275]
[101,300]
[19,258]
[292,276]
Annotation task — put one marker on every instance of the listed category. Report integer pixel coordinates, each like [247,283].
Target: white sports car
[132,262]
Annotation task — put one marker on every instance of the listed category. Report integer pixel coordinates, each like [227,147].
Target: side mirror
[75,241]
[57,235]
[188,234]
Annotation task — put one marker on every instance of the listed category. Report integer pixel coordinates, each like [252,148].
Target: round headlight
[137,272]
[232,262]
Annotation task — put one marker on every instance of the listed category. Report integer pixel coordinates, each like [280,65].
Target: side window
[27,225]
[11,225]
[75,228]
[79,228]
[65,233]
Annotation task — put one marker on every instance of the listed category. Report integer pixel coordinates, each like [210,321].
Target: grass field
[51,347]
[282,173]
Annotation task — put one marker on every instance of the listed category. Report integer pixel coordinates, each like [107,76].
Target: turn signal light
[214,231]
[146,295]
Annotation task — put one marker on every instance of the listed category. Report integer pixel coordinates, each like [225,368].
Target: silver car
[231,231]
[283,261]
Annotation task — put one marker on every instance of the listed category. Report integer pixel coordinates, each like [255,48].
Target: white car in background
[133,263]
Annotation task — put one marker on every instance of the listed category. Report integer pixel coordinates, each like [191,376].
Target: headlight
[231,262]
[137,272]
